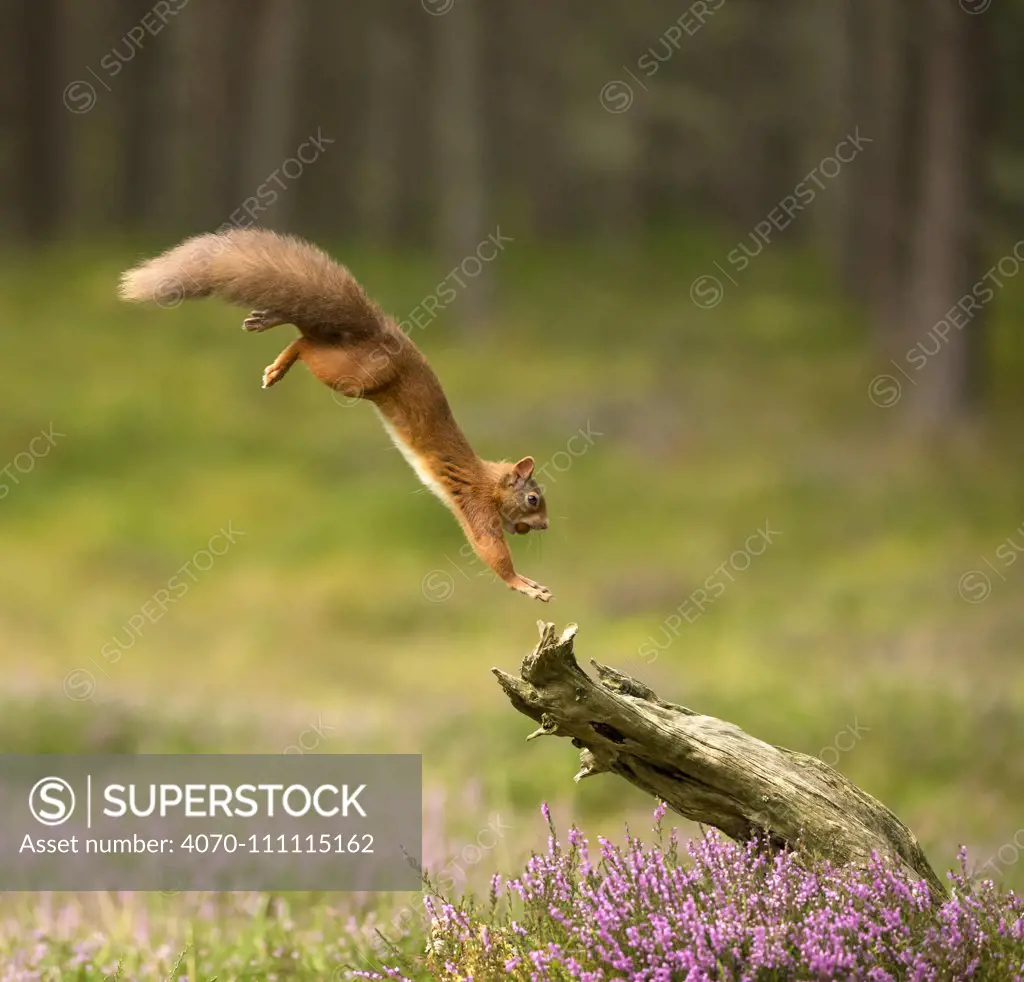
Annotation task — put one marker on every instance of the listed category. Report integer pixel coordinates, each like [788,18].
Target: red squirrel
[350,344]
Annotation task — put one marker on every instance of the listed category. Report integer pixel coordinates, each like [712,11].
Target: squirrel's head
[522,508]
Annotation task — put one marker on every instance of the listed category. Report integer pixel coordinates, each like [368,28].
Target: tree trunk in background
[419,201]
[860,97]
[889,210]
[762,164]
[330,96]
[143,100]
[10,118]
[272,84]
[194,198]
[459,158]
[532,45]
[380,181]
[945,246]
[878,211]
[234,75]
[41,123]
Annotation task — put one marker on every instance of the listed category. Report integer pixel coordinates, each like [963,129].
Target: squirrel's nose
[541,526]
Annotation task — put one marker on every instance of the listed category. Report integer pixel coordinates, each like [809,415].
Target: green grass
[711,423]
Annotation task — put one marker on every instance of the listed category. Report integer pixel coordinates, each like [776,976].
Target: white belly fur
[414,462]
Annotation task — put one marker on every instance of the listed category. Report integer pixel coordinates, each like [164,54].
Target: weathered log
[706,769]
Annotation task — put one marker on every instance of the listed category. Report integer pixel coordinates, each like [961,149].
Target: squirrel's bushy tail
[262,270]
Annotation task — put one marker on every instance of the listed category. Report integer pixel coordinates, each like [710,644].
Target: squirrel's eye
[532,500]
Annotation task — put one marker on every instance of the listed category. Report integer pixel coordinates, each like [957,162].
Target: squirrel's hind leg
[262,320]
[277,369]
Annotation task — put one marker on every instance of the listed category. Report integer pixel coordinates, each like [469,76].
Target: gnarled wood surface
[704,768]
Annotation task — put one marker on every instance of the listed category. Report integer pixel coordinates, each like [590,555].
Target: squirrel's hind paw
[271,375]
[261,320]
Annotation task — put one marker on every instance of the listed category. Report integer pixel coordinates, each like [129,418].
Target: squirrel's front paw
[532,589]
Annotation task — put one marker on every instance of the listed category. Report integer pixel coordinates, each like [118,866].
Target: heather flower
[729,912]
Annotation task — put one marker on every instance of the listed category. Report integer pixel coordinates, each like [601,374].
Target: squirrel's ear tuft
[522,469]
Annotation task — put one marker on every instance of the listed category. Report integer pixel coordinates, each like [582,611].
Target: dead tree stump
[706,769]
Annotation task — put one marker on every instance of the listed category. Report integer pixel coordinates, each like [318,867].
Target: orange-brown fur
[350,344]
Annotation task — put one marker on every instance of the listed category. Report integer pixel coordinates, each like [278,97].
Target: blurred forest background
[758,270]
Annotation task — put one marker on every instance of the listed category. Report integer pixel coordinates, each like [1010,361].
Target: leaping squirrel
[350,344]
